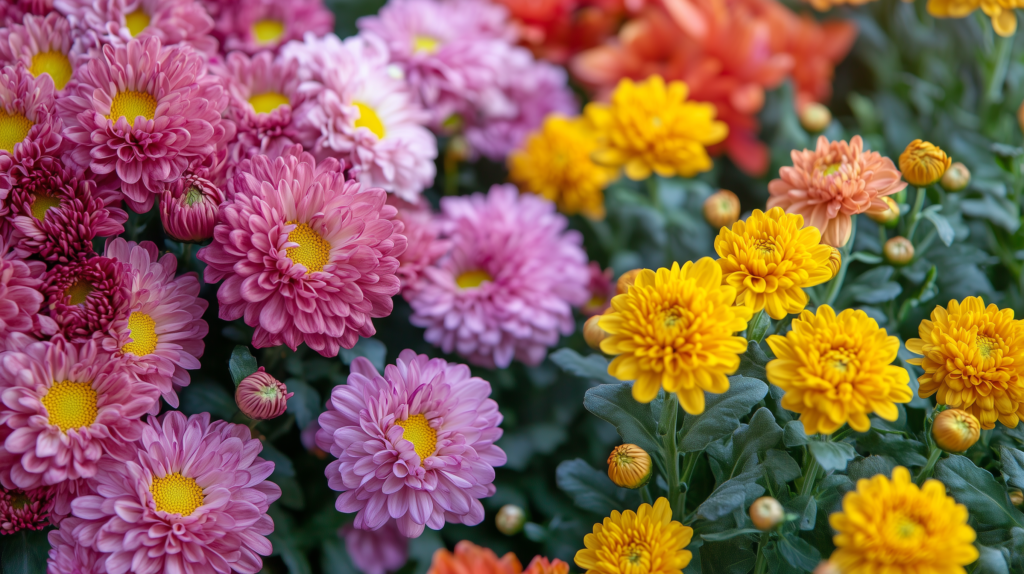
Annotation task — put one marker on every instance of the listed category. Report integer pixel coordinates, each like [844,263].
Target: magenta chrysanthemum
[305,255]
[42,44]
[27,112]
[144,111]
[67,556]
[261,397]
[416,444]
[507,287]
[193,498]
[87,297]
[12,11]
[601,288]
[20,295]
[376,551]
[252,26]
[25,509]
[423,230]
[117,22]
[189,206]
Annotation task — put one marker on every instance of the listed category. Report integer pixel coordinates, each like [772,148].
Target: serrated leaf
[799,553]
[372,349]
[591,489]
[730,495]
[941,224]
[781,466]
[978,490]
[242,364]
[593,366]
[635,422]
[721,414]
[991,561]
[832,455]
[752,362]
[761,434]
[905,451]
[727,557]
[305,403]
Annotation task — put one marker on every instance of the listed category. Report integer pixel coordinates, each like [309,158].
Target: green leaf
[799,553]
[24,553]
[992,561]
[305,403]
[781,466]
[865,257]
[978,490]
[727,557]
[636,422]
[832,455]
[593,366]
[925,292]
[752,362]
[728,534]
[870,466]
[372,349]
[334,558]
[282,464]
[721,414]
[794,434]
[591,489]
[294,558]
[291,492]
[758,326]
[422,550]
[1013,466]
[206,396]
[905,451]
[1000,211]
[761,434]
[941,224]
[242,364]
[806,507]
[734,493]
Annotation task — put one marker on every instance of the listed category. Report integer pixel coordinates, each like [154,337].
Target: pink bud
[188,208]
[260,396]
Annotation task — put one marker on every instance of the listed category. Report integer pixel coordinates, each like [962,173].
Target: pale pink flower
[87,297]
[260,396]
[25,509]
[117,22]
[423,230]
[376,551]
[67,556]
[252,26]
[21,297]
[42,44]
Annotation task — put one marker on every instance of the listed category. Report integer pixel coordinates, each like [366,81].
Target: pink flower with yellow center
[86,297]
[42,44]
[25,509]
[20,296]
[252,26]
[27,111]
[117,22]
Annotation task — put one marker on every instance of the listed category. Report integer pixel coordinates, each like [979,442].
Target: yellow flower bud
[627,279]
[923,163]
[956,177]
[510,519]
[827,567]
[593,334]
[835,261]
[888,217]
[766,512]
[629,466]
[1016,497]
[956,430]
[815,117]
[722,209]
[899,250]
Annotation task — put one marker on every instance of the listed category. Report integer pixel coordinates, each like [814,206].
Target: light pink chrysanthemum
[423,230]
[252,26]
[601,288]
[67,556]
[305,255]
[42,44]
[27,108]
[87,297]
[163,337]
[507,287]
[193,498]
[20,295]
[376,551]
[144,111]
[25,509]
[415,445]
[832,183]
[117,22]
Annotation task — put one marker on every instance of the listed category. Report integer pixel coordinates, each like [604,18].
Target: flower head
[629,466]
[601,288]
[510,519]
[86,297]
[956,178]
[429,429]
[838,369]
[1001,12]
[117,22]
[252,26]
[832,183]
[469,557]
[973,360]
[260,396]
[42,44]
[896,526]
[955,430]
[20,291]
[376,551]
[923,163]
[541,565]
[721,209]
[676,329]
[25,509]
[189,206]
[424,233]
[649,534]
[27,109]
[68,556]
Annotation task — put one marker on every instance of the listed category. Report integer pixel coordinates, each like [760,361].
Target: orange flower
[541,565]
[472,559]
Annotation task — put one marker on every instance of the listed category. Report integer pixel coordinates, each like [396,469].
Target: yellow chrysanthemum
[895,527]
[1004,21]
[650,126]
[923,163]
[676,329]
[647,541]
[555,162]
[973,360]
[838,369]
[770,258]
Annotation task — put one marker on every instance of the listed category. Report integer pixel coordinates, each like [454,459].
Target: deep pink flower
[601,288]
[188,208]
[256,25]
[507,287]
[376,551]
[415,445]
[305,255]
[25,509]
[12,11]
[192,498]
[67,556]
[117,22]
[42,44]
[87,297]
[423,230]
[261,397]
[27,105]
[20,296]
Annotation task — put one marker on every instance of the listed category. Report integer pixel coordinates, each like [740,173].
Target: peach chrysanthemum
[770,258]
[832,183]
[649,533]
[1004,21]
[973,360]
[826,5]
[676,329]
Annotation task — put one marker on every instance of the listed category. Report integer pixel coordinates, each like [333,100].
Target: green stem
[758,326]
[645,495]
[915,213]
[761,564]
[689,464]
[994,91]
[810,477]
[882,236]
[927,470]
[652,190]
[670,450]
[837,282]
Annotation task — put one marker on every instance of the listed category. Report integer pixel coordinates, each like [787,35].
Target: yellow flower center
[369,119]
[831,168]
[142,330]
[425,44]
[43,203]
[70,405]
[136,22]
[53,63]
[472,278]
[313,251]
[268,102]
[840,360]
[176,494]
[764,246]
[985,345]
[675,316]
[417,430]
[78,292]
[130,105]
[635,560]
[907,527]
[13,130]
[268,31]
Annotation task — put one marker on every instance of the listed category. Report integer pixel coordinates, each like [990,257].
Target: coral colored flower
[555,162]
[470,558]
[675,329]
[42,44]
[306,256]
[973,360]
[651,127]
[1001,12]
[650,532]
[20,295]
[144,111]
[541,565]
[507,287]
[826,5]
[86,297]
[27,109]
[252,26]
[189,207]
[832,183]
[429,430]
[423,230]
[67,556]
[897,527]
[25,509]
[376,551]
[837,369]
[601,288]
[555,30]
[193,496]
[260,396]
[923,163]
[117,22]
[770,258]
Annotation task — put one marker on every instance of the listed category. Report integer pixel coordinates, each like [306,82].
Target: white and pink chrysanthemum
[507,287]
[192,498]
[27,110]
[25,509]
[43,44]
[376,551]
[86,297]
[144,111]
[67,556]
[423,230]
[415,445]
[117,22]
[305,255]
[21,297]
[252,26]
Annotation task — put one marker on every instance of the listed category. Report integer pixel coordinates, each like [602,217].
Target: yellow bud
[835,261]
[627,279]
[722,209]
[923,163]
[827,567]
[888,216]
[899,250]
[593,334]
[629,466]
[766,512]
[1016,497]
[956,177]
[815,117]
[956,430]
[510,519]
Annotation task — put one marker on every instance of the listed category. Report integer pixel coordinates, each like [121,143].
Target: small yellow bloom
[889,216]
[1004,21]
[835,261]
[676,329]
[721,208]
[629,466]
[955,430]
[893,526]
[651,127]
[923,163]
[555,162]
[647,541]
[838,369]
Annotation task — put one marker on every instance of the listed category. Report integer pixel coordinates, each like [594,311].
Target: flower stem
[926,472]
[915,212]
[689,463]
[994,91]
[810,476]
[652,190]
[645,495]
[837,282]
[670,450]
[761,564]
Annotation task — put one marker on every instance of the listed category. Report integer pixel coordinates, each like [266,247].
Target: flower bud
[835,261]
[827,567]
[593,334]
[815,117]
[899,250]
[188,209]
[766,512]
[627,279]
[722,209]
[956,177]
[1016,497]
[889,216]
[923,163]
[510,519]
[629,466]
[956,430]
[260,396]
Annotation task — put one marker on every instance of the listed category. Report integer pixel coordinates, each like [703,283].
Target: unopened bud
[899,251]
[815,117]
[923,163]
[1016,497]
[889,216]
[260,396]
[827,567]
[956,430]
[956,177]
[510,519]
[766,512]
[188,209]
[835,261]
[627,279]
[629,466]
[593,334]
[721,209]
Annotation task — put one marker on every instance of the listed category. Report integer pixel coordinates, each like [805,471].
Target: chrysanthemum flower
[25,509]
[67,556]
[832,183]
[305,255]
[423,230]
[675,329]
[117,22]
[541,565]
[629,466]
[27,110]
[144,110]
[13,11]
[42,44]
[469,557]
[20,295]
[260,396]
[252,26]
[86,297]
[189,206]
[896,527]
[555,162]
[193,497]
[507,287]
[601,288]
[650,533]
[1001,12]
[923,163]
[429,430]
[770,258]
[837,370]
[376,551]
[973,360]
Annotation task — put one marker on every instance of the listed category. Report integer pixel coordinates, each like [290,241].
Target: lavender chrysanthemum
[42,44]
[376,551]
[86,297]
[252,26]
[117,22]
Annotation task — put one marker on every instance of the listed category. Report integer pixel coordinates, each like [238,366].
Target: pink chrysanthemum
[67,556]
[20,295]
[376,551]
[601,288]
[87,297]
[189,206]
[305,255]
[163,337]
[144,111]
[507,287]
[27,111]
[252,26]
[193,498]
[416,444]
[117,22]
[12,11]
[42,44]
[423,231]
[25,509]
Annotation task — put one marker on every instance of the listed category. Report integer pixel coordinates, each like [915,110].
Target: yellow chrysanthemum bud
[956,177]
[899,251]
[956,430]
[625,280]
[593,334]
[766,512]
[629,466]
[815,117]
[722,209]
[889,217]
[510,519]
[827,567]
[923,163]
[835,261]
[1016,497]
